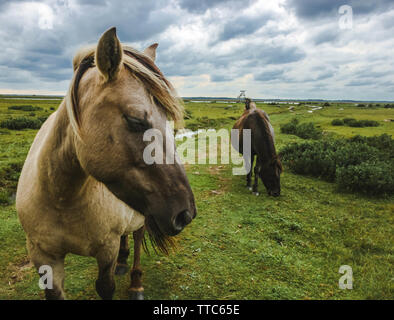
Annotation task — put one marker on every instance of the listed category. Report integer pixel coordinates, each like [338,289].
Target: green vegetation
[355,123]
[25,108]
[303,130]
[239,246]
[337,122]
[358,164]
[22,123]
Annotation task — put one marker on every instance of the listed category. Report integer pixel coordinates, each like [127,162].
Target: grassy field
[239,246]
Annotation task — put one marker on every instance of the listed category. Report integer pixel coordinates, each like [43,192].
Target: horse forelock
[139,64]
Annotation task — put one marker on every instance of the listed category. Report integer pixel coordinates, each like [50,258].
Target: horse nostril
[182,219]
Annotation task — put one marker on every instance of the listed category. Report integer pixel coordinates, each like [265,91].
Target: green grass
[239,246]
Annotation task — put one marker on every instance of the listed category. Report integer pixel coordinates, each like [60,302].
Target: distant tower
[241,95]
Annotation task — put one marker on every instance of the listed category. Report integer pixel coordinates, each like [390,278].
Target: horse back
[255,120]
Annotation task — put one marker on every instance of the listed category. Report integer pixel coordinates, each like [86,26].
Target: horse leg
[136,289]
[124,251]
[249,162]
[256,178]
[52,268]
[106,259]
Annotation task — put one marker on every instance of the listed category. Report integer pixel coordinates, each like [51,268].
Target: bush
[369,123]
[24,108]
[351,122]
[354,123]
[374,177]
[347,120]
[384,143]
[362,164]
[21,123]
[4,198]
[303,130]
[337,122]
[290,127]
[308,131]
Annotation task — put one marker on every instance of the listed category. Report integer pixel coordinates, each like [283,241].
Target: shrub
[384,143]
[347,120]
[308,131]
[4,197]
[21,123]
[42,119]
[354,123]
[303,130]
[372,177]
[369,123]
[290,127]
[362,164]
[337,122]
[351,122]
[24,108]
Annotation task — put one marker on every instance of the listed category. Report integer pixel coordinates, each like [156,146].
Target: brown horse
[85,184]
[268,166]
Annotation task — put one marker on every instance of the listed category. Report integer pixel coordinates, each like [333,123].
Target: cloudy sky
[271,48]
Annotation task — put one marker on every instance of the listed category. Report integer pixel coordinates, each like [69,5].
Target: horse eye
[136,124]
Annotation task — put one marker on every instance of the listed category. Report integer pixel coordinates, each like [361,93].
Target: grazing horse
[85,185]
[268,166]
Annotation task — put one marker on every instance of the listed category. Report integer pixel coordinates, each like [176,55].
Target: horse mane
[247,103]
[142,67]
[274,160]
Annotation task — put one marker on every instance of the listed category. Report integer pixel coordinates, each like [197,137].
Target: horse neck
[63,176]
[267,150]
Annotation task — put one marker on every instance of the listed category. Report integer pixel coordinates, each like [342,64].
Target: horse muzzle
[181,220]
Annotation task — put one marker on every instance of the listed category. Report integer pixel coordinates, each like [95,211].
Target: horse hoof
[256,194]
[136,295]
[249,188]
[121,269]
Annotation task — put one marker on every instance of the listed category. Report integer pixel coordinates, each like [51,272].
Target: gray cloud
[313,9]
[212,46]
[325,36]
[242,25]
[269,75]
[201,6]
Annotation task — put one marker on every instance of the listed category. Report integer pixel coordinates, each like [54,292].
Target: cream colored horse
[85,185]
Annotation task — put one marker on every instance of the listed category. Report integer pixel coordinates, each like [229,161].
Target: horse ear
[151,51]
[109,54]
